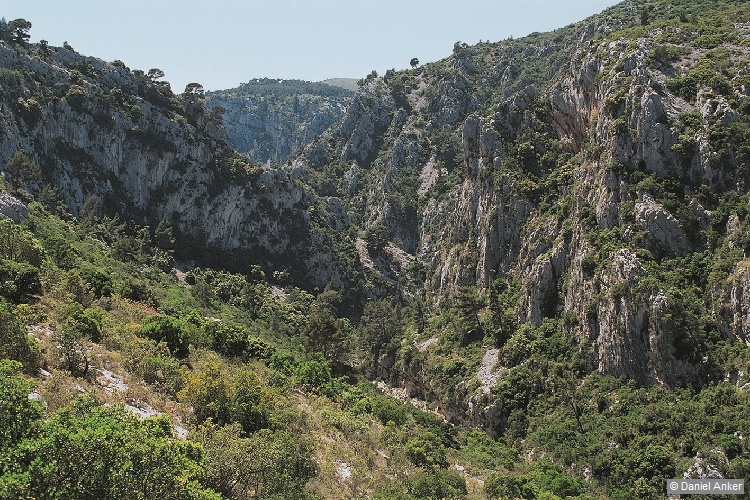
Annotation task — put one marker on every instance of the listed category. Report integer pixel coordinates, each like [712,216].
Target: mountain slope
[544,239]
[587,169]
[98,129]
[270,119]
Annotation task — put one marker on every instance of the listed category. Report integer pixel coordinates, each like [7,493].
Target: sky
[223,43]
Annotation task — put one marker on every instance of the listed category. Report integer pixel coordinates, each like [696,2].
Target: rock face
[12,208]
[578,177]
[270,119]
[149,155]
[734,308]
[664,232]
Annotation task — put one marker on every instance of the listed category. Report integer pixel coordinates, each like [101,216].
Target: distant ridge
[269,118]
[280,86]
[344,83]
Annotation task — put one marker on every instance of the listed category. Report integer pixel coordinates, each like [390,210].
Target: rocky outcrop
[491,126]
[13,208]
[361,127]
[664,233]
[734,305]
[271,119]
[149,155]
[573,104]
[481,235]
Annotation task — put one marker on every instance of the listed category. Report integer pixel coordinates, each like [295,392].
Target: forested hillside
[518,272]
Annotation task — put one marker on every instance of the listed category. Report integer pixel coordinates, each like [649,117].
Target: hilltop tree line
[15,31]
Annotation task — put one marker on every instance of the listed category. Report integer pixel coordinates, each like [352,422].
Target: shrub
[15,343]
[388,409]
[508,486]
[283,362]
[731,445]
[258,348]
[99,282]
[61,252]
[588,264]
[163,372]
[97,451]
[549,477]
[18,244]
[209,393]
[314,374]
[29,109]
[169,330]
[87,321]
[17,411]
[247,405]
[18,281]
[437,484]
[426,450]
[134,289]
[71,349]
[76,97]
[230,340]
[486,453]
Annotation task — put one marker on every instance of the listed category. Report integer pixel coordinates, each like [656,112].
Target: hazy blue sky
[223,43]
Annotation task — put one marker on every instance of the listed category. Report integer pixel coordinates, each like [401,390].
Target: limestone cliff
[581,166]
[98,129]
[270,119]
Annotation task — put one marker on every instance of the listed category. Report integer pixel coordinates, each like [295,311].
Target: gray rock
[13,208]
[663,231]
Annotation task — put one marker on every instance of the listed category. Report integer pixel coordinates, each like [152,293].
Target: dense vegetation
[233,350]
[223,353]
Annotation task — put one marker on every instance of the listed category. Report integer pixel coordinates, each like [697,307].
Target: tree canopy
[16,31]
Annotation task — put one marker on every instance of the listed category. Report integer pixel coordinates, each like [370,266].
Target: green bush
[283,362]
[60,251]
[18,281]
[314,374]
[208,392]
[437,484]
[133,289]
[29,109]
[71,349]
[169,330]
[668,53]
[508,486]
[388,409]
[731,445]
[76,97]
[274,464]
[93,451]
[16,343]
[18,413]
[98,281]
[248,404]
[86,321]
[258,348]
[228,339]
[163,372]
[483,452]
[550,478]
[588,264]
[544,479]
[426,451]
